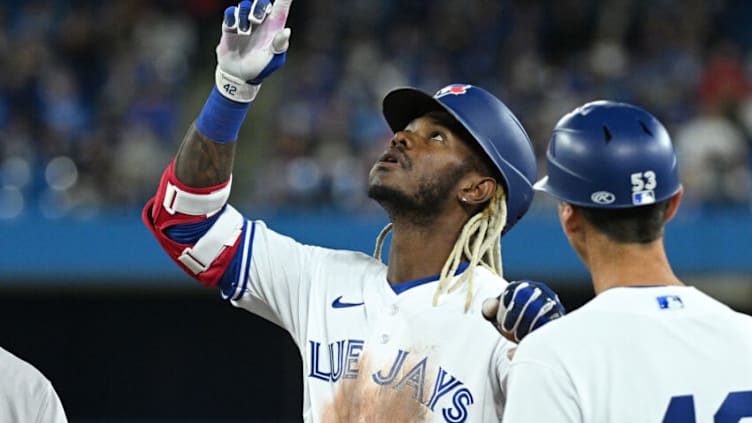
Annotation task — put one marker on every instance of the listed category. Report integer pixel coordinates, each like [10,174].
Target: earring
[464,200]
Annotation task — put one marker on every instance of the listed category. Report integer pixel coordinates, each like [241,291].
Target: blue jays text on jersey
[339,361]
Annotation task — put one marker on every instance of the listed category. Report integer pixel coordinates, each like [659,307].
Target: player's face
[421,167]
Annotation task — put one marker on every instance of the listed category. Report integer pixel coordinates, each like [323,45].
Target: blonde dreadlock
[480,240]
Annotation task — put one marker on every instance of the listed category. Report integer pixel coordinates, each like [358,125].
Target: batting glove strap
[253,45]
[235,89]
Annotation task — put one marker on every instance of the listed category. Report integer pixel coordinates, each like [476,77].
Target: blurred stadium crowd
[95,96]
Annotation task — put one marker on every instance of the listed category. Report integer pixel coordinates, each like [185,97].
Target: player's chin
[375,180]
[380,172]
[380,189]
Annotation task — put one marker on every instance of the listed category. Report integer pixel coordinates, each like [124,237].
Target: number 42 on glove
[254,44]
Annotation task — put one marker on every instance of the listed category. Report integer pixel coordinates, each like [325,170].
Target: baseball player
[403,342]
[647,348]
[25,394]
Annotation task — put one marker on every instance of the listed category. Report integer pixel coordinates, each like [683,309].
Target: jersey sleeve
[283,277]
[51,409]
[500,371]
[537,390]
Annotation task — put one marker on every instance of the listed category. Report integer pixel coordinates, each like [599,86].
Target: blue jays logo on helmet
[610,155]
[489,121]
[455,89]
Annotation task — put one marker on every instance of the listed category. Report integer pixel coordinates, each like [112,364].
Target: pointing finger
[278,16]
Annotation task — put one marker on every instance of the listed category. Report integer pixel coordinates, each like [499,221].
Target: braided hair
[480,241]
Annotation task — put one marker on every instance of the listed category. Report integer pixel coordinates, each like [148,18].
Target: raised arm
[189,214]
[253,44]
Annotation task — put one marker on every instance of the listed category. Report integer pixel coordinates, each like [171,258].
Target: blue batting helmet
[610,155]
[489,121]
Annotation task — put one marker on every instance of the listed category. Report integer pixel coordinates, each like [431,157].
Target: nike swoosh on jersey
[340,304]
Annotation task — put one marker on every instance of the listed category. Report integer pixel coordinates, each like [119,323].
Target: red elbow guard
[177,204]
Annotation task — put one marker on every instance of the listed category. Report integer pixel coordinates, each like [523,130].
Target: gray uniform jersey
[26,396]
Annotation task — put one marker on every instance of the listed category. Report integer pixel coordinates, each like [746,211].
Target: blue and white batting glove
[523,307]
[253,45]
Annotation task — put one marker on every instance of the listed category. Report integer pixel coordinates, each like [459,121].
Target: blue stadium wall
[119,248]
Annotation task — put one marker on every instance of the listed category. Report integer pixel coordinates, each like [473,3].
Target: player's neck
[420,251]
[613,265]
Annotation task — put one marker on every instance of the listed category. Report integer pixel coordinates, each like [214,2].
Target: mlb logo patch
[670,302]
[642,198]
[454,89]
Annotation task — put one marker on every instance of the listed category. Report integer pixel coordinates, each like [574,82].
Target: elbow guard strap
[221,235]
[177,200]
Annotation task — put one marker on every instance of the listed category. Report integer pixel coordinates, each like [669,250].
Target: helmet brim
[402,105]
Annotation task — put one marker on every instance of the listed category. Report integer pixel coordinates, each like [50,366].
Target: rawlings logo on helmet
[454,89]
[603,197]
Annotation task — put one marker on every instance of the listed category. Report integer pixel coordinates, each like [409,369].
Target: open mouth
[393,156]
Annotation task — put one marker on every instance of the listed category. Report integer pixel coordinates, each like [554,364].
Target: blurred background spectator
[95,96]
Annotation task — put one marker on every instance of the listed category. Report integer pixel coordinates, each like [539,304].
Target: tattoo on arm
[201,162]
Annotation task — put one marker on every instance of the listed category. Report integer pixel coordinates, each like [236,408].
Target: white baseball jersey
[372,351]
[26,396]
[636,354]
